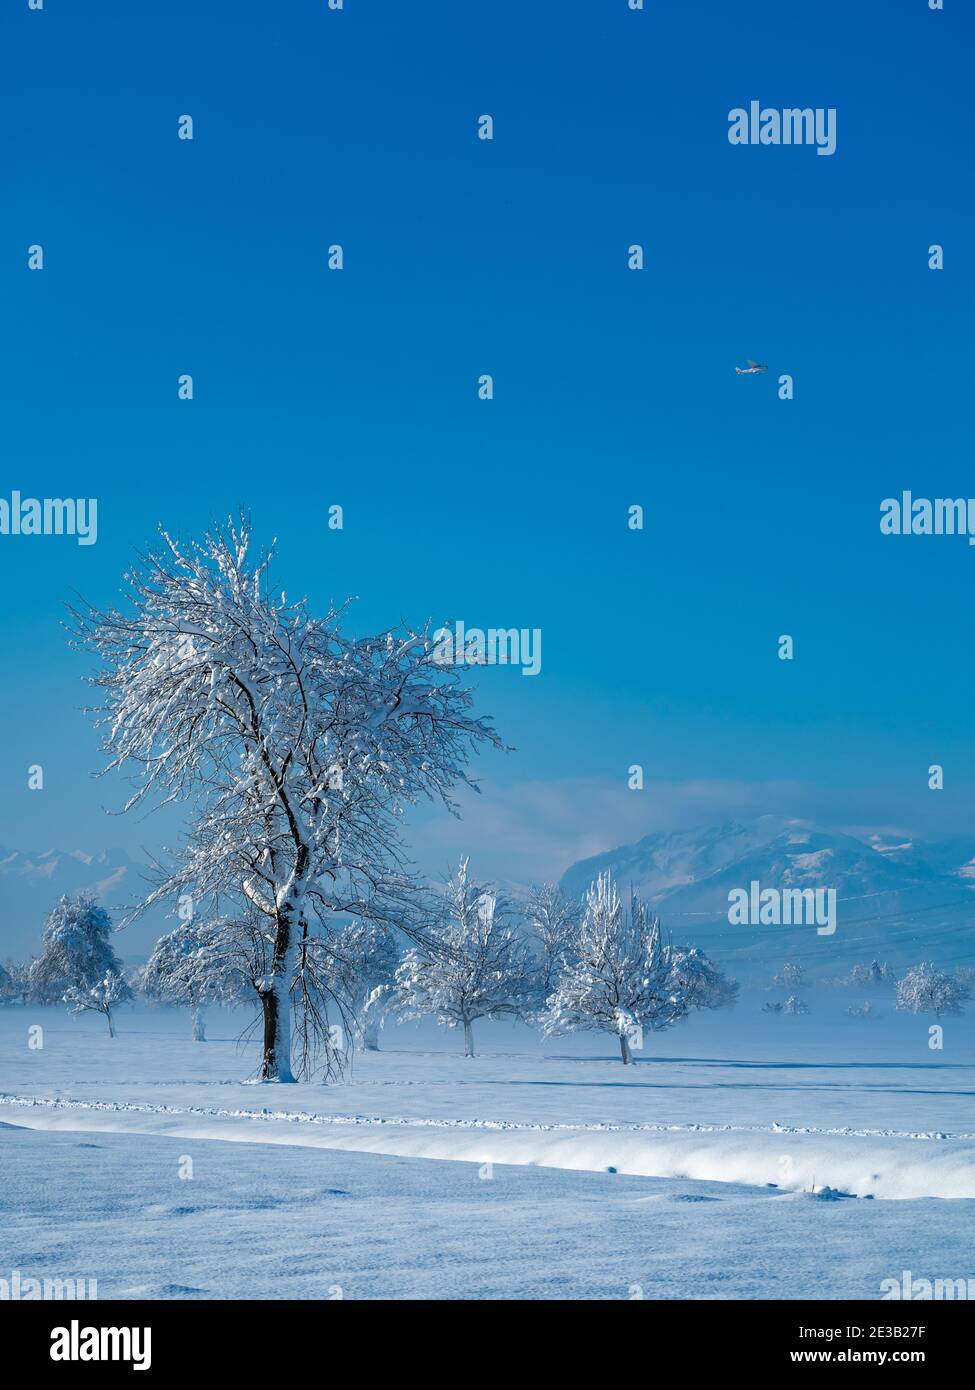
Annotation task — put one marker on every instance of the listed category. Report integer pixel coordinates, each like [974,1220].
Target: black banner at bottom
[169,1338]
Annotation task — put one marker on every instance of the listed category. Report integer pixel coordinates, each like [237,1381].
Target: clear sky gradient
[612,387]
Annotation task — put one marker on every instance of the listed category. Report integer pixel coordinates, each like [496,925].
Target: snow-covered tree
[624,979]
[135,978]
[552,921]
[17,987]
[701,983]
[294,746]
[6,985]
[795,1006]
[192,966]
[365,959]
[791,975]
[472,965]
[864,1010]
[76,950]
[100,998]
[927,990]
[876,973]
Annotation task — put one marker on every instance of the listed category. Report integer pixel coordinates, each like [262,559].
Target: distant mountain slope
[898,900]
[667,860]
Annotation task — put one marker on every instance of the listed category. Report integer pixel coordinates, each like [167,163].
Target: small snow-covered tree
[192,966]
[365,959]
[76,950]
[791,975]
[701,983]
[552,920]
[795,1006]
[18,981]
[927,990]
[471,966]
[294,747]
[624,979]
[100,998]
[876,973]
[135,976]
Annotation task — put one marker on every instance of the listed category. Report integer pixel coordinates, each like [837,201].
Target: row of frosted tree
[602,965]
[924,988]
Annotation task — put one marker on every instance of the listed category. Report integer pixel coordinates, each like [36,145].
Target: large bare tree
[294,747]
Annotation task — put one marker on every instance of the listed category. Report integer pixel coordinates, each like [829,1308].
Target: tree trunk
[276,1063]
[625,1050]
[468,1039]
[199,1027]
[276,999]
[111,1025]
[370,1034]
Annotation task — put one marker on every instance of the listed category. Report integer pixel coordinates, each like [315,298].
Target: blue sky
[612,387]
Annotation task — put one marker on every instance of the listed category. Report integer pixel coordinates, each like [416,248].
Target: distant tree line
[600,965]
[924,988]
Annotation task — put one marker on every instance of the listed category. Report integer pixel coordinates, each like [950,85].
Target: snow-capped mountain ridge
[897,897]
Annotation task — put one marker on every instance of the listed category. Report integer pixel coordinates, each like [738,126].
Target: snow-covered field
[697,1172]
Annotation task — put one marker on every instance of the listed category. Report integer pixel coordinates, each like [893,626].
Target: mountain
[896,899]
[956,857]
[665,861]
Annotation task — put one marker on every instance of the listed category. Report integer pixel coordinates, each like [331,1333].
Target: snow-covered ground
[672,1159]
[294,1222]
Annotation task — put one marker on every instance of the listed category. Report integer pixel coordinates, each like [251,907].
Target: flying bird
[751,368]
